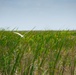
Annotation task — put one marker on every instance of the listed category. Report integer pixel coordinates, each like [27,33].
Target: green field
[38,53]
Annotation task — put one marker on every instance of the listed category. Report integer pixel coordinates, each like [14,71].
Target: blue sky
[41,14]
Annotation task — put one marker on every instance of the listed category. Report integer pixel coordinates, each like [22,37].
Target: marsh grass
[38,53]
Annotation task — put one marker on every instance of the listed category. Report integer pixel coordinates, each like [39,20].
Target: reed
[37,53]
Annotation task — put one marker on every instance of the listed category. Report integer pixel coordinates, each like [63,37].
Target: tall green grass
[38,53]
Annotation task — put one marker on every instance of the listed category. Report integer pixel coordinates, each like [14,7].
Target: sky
[38,14]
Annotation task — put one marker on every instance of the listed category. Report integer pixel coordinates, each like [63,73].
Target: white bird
[19,34]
